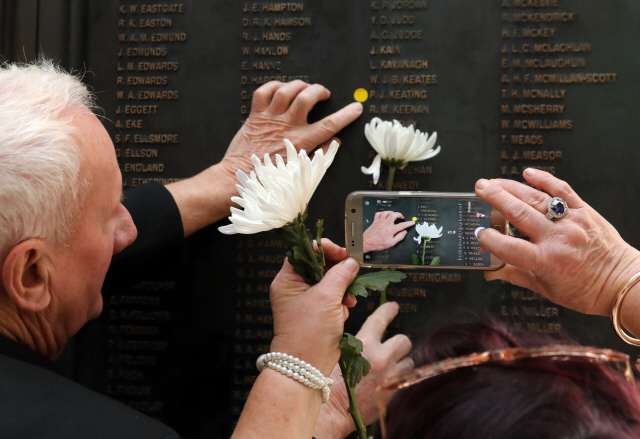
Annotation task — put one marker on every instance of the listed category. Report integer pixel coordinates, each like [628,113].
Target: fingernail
[360,108]
[477,231]
[530,171]
[482,183]
[351,264]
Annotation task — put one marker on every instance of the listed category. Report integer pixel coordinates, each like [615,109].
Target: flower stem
[392,173]
[383,296]
[361,430]
[308,248]
[424,248]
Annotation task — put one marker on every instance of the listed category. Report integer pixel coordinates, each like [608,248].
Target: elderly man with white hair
[62,220]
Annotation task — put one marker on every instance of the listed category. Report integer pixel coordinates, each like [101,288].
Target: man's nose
[126,231]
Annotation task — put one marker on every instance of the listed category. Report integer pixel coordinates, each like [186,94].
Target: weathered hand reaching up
[279,111]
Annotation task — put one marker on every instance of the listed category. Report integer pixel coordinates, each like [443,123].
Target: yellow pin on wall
[361,95]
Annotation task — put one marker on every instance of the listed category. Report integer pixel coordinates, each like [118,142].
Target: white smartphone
[434,230]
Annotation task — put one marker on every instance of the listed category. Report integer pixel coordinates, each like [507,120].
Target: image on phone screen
[444,232]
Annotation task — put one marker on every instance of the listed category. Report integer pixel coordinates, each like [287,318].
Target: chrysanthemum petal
[374,169]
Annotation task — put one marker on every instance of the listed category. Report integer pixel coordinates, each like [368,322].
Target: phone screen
[444,232]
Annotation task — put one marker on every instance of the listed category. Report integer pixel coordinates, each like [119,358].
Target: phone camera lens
[353,211]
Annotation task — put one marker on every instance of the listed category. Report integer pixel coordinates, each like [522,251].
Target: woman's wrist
[309,350]
[627,266]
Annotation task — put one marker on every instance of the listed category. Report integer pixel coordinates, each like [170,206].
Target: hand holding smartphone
[420,230]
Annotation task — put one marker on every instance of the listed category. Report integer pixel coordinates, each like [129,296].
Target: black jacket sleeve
[160,234]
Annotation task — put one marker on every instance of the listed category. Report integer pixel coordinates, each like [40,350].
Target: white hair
[41,189]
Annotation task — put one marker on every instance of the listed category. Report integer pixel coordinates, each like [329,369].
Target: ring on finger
[557,208]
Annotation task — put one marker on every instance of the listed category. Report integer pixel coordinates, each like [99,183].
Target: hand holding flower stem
[276,197]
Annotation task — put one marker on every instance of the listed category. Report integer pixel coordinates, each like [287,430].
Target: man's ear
[26,275]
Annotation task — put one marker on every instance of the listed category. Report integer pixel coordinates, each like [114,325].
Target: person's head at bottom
[61,217]
[554,396]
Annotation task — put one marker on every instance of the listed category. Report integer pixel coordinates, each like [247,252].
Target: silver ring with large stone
[557,208]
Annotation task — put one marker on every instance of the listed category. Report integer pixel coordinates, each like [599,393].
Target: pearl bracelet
[298,370]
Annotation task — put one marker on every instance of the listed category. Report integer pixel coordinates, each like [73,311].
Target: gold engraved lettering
[147,80]
[576,78]
[410,109]
[527,140]
[407,94]
[158,66]
[543,94]
[146,52]
[562,48]
[175,8]
[408,5]
[415,169]
[408,35]
[158,95]
[168,37]
[156,22]
[542,155]
[271,259]
[141,153]
[155,138]
[556,63]
[281,7]
[267,65]
[397,185]
[545,32]
[402,20]
[393,64]
[276,36]
[292,22]
[142,167]
[270,243]
[538,109]
[436,277]
[420,79]
[543,124]
[544,18]
[270,51]
[163,181]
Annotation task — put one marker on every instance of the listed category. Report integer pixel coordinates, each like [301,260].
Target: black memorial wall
[507,84]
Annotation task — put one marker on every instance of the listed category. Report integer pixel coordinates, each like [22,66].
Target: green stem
[361,430]
[424,248]
[383,296]
[392,173]
[301,229]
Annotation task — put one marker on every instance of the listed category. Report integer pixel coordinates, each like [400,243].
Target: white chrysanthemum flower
[426,230]
[275,195]
[397,145]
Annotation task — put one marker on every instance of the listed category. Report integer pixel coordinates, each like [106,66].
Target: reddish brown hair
[532,398]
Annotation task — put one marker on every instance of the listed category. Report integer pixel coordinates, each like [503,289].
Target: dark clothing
[160,234]
[37,402]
